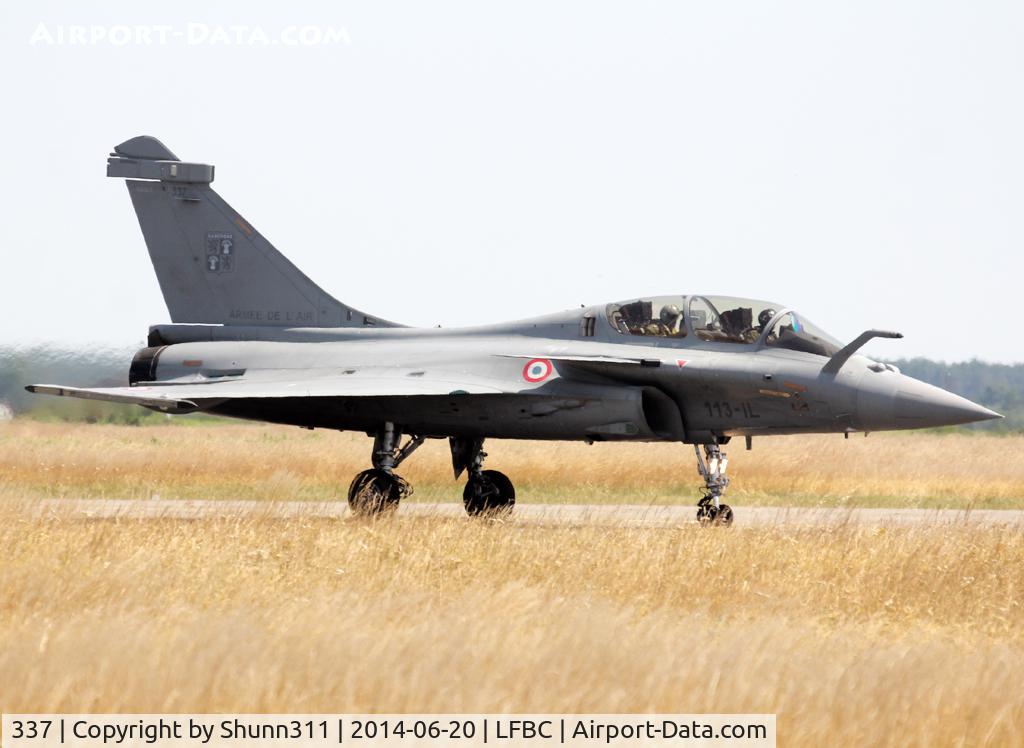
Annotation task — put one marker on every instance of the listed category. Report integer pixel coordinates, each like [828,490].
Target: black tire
[374,492]
[492,493]
[708,515]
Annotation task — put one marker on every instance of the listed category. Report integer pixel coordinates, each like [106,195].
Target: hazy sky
[460,163]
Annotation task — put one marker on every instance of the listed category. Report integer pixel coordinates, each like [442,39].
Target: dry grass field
[181,460]
[852,635]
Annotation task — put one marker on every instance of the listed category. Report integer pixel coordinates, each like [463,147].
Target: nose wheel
[709,514]
[711,466]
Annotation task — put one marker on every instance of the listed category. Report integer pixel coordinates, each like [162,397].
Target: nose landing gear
[379,489]
[711,466]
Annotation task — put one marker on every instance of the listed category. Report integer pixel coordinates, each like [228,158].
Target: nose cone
[901,402]
[919,405]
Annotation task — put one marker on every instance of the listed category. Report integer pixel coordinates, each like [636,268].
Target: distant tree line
[996,386]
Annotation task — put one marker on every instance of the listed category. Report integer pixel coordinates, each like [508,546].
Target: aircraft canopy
[721,319]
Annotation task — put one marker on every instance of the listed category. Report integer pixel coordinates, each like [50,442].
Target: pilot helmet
[669,314]
[765,316]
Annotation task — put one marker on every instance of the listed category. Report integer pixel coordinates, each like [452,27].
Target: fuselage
[593,380]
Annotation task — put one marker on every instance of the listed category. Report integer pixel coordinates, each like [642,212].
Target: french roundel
[537,370]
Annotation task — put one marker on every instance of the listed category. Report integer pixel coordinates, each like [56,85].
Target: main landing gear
[711,466]
[380,489]
[487,492]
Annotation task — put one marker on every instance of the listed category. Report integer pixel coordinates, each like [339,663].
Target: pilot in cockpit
[671,321]
[764,319]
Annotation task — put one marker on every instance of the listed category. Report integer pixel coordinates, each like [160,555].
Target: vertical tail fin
[212,265]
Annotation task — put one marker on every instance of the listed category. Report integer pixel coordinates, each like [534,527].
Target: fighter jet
[252,337]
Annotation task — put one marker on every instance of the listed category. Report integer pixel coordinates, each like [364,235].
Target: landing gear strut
[711,466]
[487,492]
[379,489]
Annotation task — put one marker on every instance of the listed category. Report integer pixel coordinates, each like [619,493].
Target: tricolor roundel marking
[537,370]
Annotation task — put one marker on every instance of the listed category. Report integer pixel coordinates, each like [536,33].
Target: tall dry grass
[280,463]
[853,636]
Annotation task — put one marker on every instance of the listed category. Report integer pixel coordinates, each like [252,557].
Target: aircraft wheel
[374,492]
[490,493]
[708,515]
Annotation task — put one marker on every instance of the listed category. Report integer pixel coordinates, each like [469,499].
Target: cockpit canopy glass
[661,316]
[796,333]
[721,319]
[725,319]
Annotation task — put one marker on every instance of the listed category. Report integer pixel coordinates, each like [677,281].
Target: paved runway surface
[630,515]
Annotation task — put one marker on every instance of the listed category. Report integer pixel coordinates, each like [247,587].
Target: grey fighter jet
[252,337]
